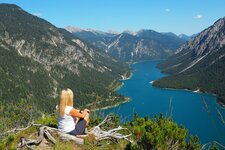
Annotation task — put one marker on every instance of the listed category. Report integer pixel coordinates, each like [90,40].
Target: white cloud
[37,14]
[198,17]
[167,10]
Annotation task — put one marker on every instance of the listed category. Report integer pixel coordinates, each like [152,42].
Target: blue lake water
[188,108]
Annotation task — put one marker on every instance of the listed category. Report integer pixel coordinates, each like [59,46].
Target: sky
[177,16]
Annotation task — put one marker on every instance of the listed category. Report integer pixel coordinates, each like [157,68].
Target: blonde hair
[70,97]
[63,102]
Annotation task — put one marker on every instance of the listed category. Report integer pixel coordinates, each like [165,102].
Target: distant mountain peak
[169,33]
[72,29]
[145,30]
[129,32]
[131,46]
[184,36]
[113,31]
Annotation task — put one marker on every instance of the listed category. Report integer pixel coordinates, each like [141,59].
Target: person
[70,103]
[67,115]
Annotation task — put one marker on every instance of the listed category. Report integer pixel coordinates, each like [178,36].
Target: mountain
[199,63]
[132,46]
[97,38]
[185,37]
[38,59]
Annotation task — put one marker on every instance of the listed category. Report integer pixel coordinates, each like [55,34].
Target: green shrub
[159,133]
[50,121]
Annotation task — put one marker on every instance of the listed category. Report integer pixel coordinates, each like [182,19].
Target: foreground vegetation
[156,133]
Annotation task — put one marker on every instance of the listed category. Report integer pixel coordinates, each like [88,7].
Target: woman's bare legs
[87,118]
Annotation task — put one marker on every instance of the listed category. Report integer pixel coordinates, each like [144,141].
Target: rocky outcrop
[208,40]
[204,46]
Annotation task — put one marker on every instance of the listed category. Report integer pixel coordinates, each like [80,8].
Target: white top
[66,123]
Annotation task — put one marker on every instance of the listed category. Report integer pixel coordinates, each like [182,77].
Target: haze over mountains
[132,46]
[199,63]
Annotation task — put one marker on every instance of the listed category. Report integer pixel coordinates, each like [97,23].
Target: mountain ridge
[133,46]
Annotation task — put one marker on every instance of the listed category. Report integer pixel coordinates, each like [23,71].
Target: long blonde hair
[63,102]
[70,97]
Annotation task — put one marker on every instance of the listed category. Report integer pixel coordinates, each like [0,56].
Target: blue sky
[178,16]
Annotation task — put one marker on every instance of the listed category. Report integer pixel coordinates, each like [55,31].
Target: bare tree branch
[46,132]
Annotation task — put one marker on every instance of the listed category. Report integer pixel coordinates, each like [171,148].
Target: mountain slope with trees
[199,64]
[38,59]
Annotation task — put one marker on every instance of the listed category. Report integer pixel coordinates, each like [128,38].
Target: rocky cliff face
[97,38]
[37,39]
[208,40]
[200,48]
[132,46]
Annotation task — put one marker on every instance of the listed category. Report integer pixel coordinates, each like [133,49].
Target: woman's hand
[86,110]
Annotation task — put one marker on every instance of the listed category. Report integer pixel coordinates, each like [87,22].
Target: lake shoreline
[127,99]
[180,89]
[193,91]
[126,76]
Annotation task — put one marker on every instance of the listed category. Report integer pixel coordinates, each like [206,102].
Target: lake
[188,108]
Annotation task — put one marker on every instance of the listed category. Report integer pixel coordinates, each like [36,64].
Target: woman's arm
[76,113]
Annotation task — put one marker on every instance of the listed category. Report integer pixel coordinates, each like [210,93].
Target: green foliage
[193,143]
[17,114]
[159,133]
[214,146]
[8,143]
[49,120]
[10,139]
[147,133]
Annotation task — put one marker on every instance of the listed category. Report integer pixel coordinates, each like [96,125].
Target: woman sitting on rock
[68,116]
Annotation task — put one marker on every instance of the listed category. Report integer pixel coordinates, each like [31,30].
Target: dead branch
[110,134]
[47,133]
[209,145]
[15,130]
[67,137]
[205,105]
[170,112]
[221,116]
